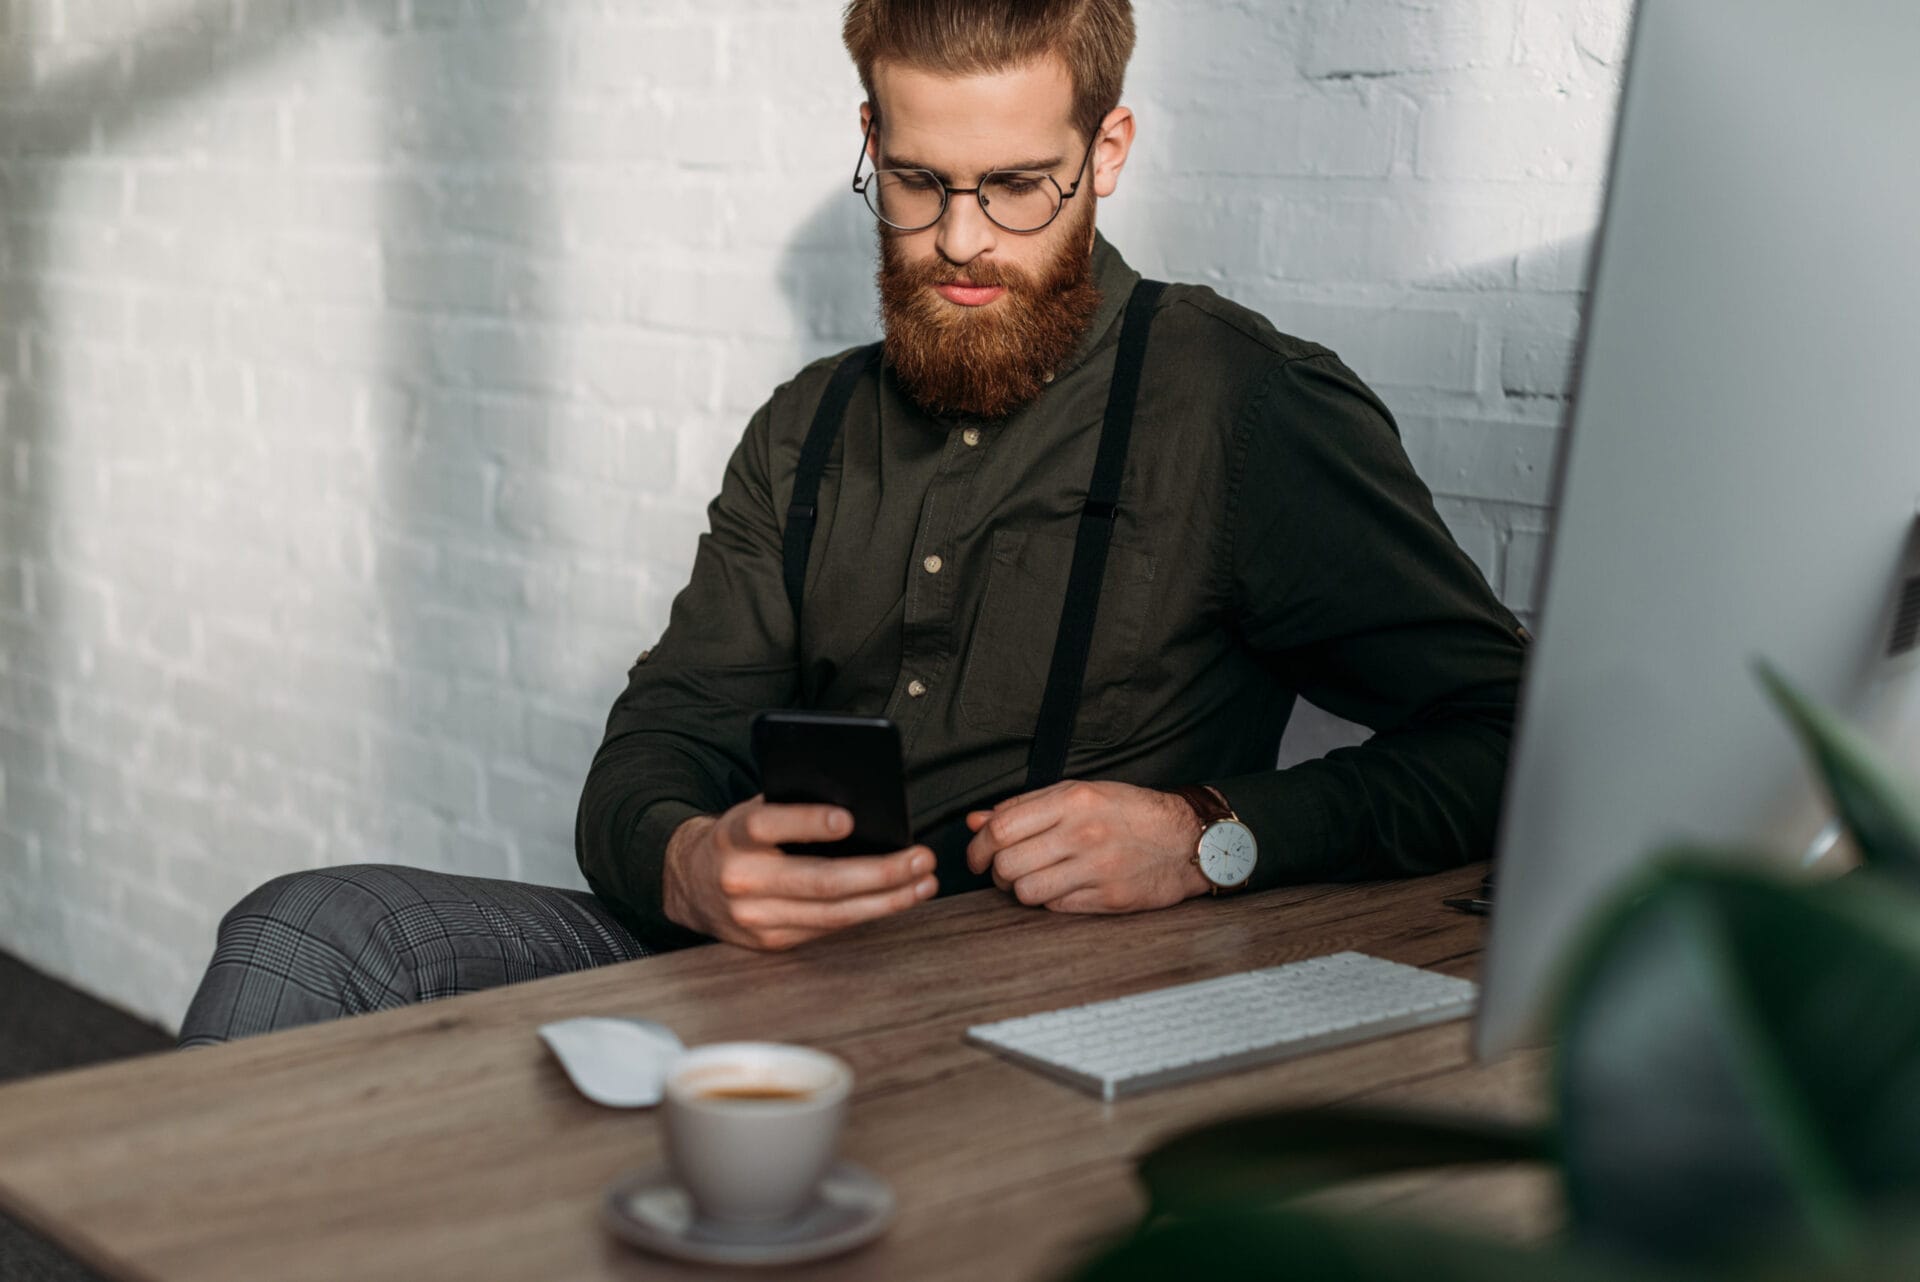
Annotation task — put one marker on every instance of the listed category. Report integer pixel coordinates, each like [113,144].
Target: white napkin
[621,1063]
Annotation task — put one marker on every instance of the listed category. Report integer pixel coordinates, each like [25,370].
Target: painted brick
[1477,533]
[1534,364]
[433,773]
[571,662]
[1559,248]
[628,59]
[1354,39]
[1525,550]
[536,811]
[605,209]
[1380,239]
[489,716]
[1390,345]
[562,746]
[1482,458]
[1540,139]
[457,643]
[362,395]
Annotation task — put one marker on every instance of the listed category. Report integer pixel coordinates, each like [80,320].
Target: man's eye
[914,181]
[1017,186]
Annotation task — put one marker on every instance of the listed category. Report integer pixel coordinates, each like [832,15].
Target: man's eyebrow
[890,161]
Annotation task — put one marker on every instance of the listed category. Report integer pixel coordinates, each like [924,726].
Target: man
[1268,538]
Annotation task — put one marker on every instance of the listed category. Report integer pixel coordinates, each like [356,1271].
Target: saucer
[649,1209]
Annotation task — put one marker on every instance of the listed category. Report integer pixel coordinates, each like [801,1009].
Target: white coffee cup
[751,1127]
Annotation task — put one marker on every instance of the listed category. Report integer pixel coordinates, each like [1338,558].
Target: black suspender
[1060,704]
[797,544]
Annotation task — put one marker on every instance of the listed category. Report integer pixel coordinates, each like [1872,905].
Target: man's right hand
[727,877]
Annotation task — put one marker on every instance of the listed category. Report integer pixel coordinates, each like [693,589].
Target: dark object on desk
[1478,907]
[853,762]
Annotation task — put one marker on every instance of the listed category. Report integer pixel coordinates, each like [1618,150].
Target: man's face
[977,316]
[963,126]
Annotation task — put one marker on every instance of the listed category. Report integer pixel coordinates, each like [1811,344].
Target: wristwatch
[1226,851]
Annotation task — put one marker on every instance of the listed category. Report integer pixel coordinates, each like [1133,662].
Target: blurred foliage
[1736,1091]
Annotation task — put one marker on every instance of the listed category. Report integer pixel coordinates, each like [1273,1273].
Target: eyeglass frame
[947,191]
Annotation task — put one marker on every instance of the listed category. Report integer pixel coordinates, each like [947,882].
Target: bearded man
[1263,533]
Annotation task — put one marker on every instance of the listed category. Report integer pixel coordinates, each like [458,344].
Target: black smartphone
[838,760]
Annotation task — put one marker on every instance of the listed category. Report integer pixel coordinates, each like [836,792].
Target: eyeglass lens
[911,199]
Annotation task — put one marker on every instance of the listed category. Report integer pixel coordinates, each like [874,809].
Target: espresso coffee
[750,1092]
[752,1126]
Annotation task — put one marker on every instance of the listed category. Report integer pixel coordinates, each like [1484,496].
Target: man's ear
[866,119]
[1110,155]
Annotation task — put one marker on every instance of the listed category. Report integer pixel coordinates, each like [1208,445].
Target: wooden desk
[442,1141]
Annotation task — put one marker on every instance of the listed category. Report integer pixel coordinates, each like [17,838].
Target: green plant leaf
[1287,1153]
[1254,1244]
[1878,806]
[1740,1063]
[1892,1254]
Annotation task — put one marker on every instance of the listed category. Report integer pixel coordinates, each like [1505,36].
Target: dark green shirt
[1272,540]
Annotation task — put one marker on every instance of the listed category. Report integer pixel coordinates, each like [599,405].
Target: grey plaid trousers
[341,941]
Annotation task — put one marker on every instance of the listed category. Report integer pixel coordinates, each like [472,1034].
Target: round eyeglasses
[1017,200]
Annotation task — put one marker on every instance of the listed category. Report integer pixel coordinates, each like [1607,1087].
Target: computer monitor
[1741,472]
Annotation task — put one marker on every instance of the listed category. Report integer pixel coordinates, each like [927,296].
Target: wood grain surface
[443,1141]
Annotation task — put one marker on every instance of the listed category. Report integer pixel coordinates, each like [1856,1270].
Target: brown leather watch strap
[1208,804]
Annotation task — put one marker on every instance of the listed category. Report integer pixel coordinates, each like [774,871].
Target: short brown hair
[1094,38]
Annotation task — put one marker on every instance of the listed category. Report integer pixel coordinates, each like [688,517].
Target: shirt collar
[1115,281]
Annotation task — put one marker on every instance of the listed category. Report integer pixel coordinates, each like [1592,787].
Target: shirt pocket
[1005,672]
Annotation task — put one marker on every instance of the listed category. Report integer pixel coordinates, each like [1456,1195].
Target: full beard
[985,361]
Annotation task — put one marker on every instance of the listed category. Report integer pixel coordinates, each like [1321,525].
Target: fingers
[1012,820]
[744,889]
[763,872]
[1085,900]
[815,877]
[764,824]
[1056,881]
[810,917]
[1021,819]
[1051,850]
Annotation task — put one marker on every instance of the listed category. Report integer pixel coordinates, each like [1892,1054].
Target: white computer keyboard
[1189,1031]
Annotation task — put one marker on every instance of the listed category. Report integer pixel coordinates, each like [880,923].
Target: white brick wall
[365,368]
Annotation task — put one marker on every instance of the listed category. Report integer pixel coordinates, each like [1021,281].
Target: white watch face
[1227,852]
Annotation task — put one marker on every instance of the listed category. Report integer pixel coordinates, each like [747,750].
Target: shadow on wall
[827,276]
[91,613]
[1367,192]
[268,574]
[466,431]
[1457,457]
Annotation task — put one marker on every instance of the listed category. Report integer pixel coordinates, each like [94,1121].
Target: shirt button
[971,436]
[932,565]
[1047,377]
[916,688]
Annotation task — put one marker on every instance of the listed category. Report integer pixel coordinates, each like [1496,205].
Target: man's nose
[965,232]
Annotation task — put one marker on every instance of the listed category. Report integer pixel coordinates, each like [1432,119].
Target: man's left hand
[1083,846]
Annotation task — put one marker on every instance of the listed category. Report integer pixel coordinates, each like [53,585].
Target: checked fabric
[318,945]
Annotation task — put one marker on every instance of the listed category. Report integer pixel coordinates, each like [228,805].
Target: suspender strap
[804,508]
[1061,702]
